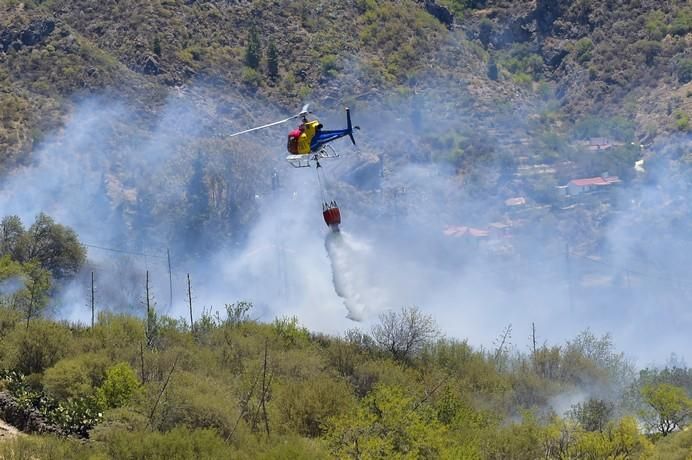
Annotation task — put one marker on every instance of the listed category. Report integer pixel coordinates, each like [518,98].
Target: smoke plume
[416,231]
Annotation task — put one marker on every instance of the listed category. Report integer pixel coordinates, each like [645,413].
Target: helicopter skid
[299,161]
[303,161]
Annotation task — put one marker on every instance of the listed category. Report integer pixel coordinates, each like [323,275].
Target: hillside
[116,113]
[55,49]
[511,275]
[238,388]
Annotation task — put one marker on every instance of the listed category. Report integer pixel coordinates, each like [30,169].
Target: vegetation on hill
[228,386]
[599,58]
[235,387]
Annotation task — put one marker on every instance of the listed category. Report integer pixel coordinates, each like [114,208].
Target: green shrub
[304,406]
[194,401]
[655,25]
[389,424]
[251,77]
[290,330]
[37,349]
[179,443]
[676,446]
[119,387]
[329,66]
[682,121]
[75,377]
[583,49]
[684,71]
[682,22]
[48,448]
[522,79]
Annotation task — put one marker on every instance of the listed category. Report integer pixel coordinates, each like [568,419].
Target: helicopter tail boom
[349,127]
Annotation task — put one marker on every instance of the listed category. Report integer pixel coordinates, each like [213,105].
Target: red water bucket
[332,216]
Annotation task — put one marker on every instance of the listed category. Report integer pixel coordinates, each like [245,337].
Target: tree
[547,11]
[649,49]
[492,69]
[198,209]
[11,232]
[272,61]
[34,297]
[485,29]
[403,334]
[157,46]
[593,415]
[671,405]
[55,247]
[253,52]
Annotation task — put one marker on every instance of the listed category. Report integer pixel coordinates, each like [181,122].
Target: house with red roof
[577,186]
[462,231]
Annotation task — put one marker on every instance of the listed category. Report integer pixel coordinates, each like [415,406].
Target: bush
[389,424]
[75,377]
[583,49]
[120,386]
[682,121]
[195,402]
[35,350]
[655,25]
[677,446]
[251,77]
[290,330]
[179,443]
[328,65]
[305,406]
[48,448]
[682,22]
[684,71]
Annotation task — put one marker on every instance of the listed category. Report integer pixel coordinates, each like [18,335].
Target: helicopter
[309,142]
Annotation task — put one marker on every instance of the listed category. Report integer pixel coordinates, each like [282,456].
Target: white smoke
[346,256]
[95,176]
[11,286]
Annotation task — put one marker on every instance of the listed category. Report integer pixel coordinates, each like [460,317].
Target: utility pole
[170,280]
[92,301]
[189,298]
[568,269]
[141,357]
[148,312]
[533,343]
[147,294]
[265,389]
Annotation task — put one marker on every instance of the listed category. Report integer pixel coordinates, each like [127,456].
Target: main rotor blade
[304,111]
[263,126]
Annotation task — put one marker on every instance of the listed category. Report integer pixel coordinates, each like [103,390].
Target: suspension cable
[319,181]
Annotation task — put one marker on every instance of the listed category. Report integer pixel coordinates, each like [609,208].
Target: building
[516,201]
[578,186]
[460,231]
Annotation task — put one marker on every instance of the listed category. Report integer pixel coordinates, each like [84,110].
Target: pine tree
[253,52]
[492,69]
[272,61]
